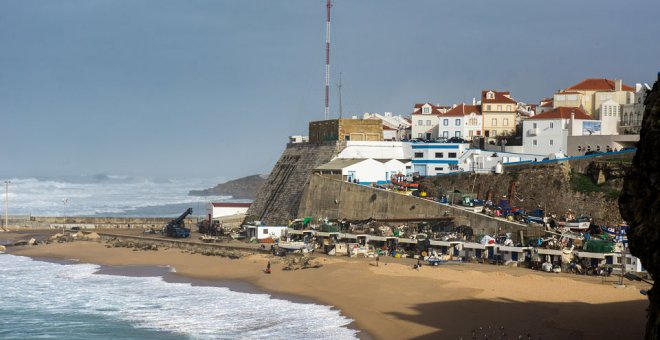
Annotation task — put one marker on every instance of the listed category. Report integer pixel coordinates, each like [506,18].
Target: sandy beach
[393,301]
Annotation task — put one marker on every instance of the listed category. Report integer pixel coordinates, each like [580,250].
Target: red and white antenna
[327,61]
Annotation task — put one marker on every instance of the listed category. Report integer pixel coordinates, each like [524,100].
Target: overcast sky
[214,88]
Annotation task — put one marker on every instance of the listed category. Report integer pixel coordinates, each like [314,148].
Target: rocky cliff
[241,188]
[588,186]
[640,203]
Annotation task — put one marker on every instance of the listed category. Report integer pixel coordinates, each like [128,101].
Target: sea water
[70,301]
[108,196]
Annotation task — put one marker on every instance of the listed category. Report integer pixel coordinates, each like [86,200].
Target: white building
[548,132]
[485,161]
[362,170]
[632,114]
[261,232]
[395,128]
[462,121]
[376,150]
[425,121]
[220,209]
[431,159]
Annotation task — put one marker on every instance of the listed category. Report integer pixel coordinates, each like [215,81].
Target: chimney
[617,85]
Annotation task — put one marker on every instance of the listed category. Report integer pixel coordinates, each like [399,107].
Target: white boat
[293,245]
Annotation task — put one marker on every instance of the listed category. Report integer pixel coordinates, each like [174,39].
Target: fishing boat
[578,223]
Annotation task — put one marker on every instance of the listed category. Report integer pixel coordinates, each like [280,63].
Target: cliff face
[556,187]
[246,187]
[640,204]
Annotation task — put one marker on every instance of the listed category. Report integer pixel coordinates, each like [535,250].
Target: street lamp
[65,201]
[6,205]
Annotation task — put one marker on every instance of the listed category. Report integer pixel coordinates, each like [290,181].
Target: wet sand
[393,301]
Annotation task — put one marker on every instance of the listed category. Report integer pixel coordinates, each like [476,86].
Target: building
[261,232]
[346,130]
[548,132]
[424,119]
[498,111]
[395,128]
[362,170]
[545,105]
[376,150]
[462,121]
[431,159]
[591,93]
[221,209]
[632,114]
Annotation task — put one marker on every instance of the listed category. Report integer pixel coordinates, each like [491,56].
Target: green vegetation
[583,183]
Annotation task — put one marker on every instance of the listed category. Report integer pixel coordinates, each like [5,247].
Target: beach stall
[515,254]
[554,254]
[594,259]
[473,250]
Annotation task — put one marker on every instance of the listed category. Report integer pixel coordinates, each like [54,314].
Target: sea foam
[72,293]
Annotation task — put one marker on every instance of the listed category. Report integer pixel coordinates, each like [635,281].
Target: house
[425,121]
[548,132]
[631,115]
[221,209]
[361,170]
[498,111]
[462,121]
[591,93]
[395,128]
[261,232]
[431,159]
[545,105]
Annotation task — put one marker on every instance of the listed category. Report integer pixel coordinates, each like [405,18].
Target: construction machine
[177,227]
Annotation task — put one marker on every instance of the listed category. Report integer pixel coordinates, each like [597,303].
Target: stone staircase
[278,200]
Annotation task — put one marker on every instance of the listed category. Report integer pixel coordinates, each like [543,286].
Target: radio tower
[327,61]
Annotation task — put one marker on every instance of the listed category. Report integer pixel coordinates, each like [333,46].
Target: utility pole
[6,205]
[327,61]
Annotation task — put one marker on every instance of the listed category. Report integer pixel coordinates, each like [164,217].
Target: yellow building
[346,130]
[498,113]
[591,93]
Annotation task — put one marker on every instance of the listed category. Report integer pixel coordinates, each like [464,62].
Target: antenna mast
[341,111]
[327,61]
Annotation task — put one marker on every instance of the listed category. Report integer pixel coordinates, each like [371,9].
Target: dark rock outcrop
[639,204]
[241,188]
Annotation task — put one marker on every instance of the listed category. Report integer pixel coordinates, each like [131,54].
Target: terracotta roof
[598,84]
[563,113]
[462,110]
[499,97]
[230,205]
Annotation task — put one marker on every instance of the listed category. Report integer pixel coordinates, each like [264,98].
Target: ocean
[108,196]
[41,299]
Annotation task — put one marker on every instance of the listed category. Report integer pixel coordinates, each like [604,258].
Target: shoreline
[393,301]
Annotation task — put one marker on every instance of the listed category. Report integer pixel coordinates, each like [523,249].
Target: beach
[394,301]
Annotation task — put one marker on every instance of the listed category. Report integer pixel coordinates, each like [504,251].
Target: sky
[214,88]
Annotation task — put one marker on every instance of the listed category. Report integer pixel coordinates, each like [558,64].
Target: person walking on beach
[377,260]
[268,268]
[419,265]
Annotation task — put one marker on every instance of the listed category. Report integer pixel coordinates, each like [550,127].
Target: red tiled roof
[462,110]
[230,205]
[499,97]
[562,113]
[598,84]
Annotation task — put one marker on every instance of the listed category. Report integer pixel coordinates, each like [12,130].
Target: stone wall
[278,200]
[40,222]
[334,199]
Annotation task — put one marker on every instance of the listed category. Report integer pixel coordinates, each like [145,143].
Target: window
[487,107]
[534,125]
[439,155]
[457,134]
[490,95]
[265,231]
[439,169]
[493,133]
[499,107]
[420,122]
[445,134]
[579,147]
[445,122]
[505,122]
[471,133]
[458,122]
[419,135]
[551,141]
[508,107]
[597,147]
[452,155]
[588,147]
[419,154]
[494,122]
[428,122]
[534,141]
[552,125]
[426,110]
